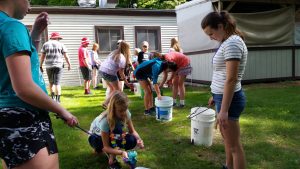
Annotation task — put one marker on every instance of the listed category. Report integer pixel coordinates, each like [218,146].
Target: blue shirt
[14,38]
[150,69]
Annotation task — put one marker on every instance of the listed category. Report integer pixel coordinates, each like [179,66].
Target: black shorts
[86,73]
[23,133]
[54,75]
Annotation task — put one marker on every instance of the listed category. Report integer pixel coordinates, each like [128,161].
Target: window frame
[157,28]
[120,28]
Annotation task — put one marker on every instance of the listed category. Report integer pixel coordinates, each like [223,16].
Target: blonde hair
[117,100]
[124,49]
[175,44]
[95,46]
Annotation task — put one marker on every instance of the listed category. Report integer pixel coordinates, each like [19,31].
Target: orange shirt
[180,59]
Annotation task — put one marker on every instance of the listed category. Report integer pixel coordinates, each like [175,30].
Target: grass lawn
[270,128]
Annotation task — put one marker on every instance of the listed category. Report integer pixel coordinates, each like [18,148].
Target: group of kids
[26,135]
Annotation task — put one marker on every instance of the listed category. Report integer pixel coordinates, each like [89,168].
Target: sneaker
[224,167]
[147,112]
[152,110]
[115,165]
[174,104]
[181,106]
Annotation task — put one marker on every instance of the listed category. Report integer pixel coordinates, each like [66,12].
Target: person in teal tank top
[26,137]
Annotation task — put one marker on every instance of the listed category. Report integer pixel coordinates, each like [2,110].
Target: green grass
[270,127]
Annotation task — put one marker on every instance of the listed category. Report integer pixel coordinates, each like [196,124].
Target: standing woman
[229,64]
[175,47]
[178,77]
[26,135]
[114,63]
[95,64]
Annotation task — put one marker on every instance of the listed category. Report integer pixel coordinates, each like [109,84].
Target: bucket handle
[194,114]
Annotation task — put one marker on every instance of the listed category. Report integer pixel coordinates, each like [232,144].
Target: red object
[55,35]
[85,41]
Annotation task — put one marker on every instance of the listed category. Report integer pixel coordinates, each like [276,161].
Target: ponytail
[213,19]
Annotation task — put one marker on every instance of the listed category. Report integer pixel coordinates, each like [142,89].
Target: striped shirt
[54,53]
[232,48]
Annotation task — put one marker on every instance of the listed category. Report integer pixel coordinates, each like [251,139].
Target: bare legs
[235,157]
[148,101]
[94,78]
[178,84]
[49,161]
[113,86]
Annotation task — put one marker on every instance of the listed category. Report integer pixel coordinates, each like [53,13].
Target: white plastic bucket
[202,125]
[104,85]
[137,89]
[164,108]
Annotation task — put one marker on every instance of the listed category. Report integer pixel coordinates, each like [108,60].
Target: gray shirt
[54,53]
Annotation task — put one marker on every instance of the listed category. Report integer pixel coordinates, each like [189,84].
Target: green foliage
[39,2]
[62,2]
[152,4]
[55,2]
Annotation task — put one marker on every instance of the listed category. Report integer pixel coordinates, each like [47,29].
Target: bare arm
[66,56]
[19,70]
[42,61]
[132,131]
[165,76]
[156,88]
[121,72]
[40,24]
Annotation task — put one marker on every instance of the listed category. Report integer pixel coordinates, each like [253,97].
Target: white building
[271,28]
[106,26]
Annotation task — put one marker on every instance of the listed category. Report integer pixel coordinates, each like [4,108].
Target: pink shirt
[82,54]
[180,59]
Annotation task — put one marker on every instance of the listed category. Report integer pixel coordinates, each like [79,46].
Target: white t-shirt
[232,48]
[110,66]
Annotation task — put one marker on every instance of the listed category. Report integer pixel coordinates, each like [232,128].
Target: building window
[44,37]
[150,34]
[107,37]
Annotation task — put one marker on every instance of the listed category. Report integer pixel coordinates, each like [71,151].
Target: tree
[55,2]
[152,4]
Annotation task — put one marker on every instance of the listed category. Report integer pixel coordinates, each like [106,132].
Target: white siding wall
[268,64]
[297,63]
[260,65]
[202,67]
[73,27]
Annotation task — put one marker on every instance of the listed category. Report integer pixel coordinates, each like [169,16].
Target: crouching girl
[113,130]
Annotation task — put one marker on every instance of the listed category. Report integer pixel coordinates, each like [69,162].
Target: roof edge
[102,11]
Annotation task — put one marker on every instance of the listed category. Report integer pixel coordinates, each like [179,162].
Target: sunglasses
[145,46]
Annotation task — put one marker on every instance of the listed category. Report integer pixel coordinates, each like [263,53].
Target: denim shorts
[108,77]
[236,107]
